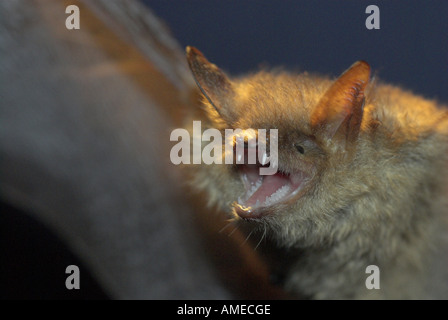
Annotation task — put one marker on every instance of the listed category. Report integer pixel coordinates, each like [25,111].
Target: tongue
[269,186]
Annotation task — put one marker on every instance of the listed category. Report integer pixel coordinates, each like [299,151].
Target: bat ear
[338,115]
[213,83]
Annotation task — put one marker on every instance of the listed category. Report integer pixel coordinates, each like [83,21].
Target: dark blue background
[325,36]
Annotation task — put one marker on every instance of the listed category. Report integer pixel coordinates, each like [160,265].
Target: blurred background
[409,49]
[325,36]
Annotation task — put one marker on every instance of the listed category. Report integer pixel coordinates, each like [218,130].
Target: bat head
[317,124]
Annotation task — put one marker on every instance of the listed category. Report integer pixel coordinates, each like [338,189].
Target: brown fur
[379,199]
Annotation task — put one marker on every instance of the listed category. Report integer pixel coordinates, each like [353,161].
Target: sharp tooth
[277,195]
[264,159]
[257,204]
[254,187]
[267,201]
[240,200]
[239,156]
[245,180]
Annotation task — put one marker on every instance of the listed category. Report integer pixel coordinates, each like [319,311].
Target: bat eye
[300,148]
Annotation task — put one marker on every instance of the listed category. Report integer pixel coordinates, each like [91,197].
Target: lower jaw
[249,213]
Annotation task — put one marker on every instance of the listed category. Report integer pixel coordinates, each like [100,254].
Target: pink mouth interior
[264,191]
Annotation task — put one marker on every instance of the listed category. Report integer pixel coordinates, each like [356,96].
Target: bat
[360,180]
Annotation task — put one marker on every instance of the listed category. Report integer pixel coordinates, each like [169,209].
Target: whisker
[226,226]
[247,238]
[262,237]
[232,231]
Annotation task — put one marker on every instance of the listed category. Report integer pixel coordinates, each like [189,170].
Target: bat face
[298,160]
[317,125]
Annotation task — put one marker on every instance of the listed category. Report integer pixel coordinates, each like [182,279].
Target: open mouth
[265,192]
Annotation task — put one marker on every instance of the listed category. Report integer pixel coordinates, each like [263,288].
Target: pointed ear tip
[191,51]
[364,64]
